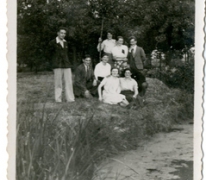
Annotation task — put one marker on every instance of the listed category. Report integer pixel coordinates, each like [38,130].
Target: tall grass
[68,141]
[50,149]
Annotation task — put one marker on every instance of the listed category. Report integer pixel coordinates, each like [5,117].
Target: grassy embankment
[60,141]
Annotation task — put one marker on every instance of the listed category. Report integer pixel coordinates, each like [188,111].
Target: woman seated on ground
[129,86]
[139,78]
[111,93]
[102,69]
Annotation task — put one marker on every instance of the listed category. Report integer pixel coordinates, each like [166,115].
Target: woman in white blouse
[119,52]
[102,69]
[111,93]
[129,86]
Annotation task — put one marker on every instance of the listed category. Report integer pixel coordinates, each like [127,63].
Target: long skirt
[112,98]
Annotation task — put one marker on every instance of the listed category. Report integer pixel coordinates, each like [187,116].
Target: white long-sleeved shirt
[120,51]
[102,70]
[107,45]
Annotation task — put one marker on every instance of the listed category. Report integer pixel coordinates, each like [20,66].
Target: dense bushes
[180,77]
[158,22]
[174,68]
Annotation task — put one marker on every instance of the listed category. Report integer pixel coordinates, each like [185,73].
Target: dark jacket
[138,59]
[58,55]
[82,80]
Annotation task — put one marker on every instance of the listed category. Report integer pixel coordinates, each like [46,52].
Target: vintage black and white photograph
[105,89]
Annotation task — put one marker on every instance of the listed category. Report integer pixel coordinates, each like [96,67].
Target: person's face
[61,34]
[109,36]
[127,74]
[120,41]
[114,72]
[133,42]
[87,61]
[105,59]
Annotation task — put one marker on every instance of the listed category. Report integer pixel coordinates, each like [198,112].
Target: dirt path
[166,156]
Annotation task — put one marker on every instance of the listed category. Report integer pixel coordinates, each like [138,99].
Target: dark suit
[136,61]
[137,58]
[84,81]
[59,55]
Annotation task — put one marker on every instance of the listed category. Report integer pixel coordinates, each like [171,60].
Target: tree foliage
[163,23]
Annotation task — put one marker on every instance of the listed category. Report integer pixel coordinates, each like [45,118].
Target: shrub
[173,71]
[179,77]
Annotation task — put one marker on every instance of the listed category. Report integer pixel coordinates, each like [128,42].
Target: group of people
[117,79]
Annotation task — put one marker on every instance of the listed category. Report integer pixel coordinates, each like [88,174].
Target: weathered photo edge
[198,111]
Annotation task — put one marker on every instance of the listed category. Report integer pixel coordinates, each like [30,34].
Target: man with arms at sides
[107,45]
[119,52]
[102,69]
[58,51]
[84,81]
[137,58]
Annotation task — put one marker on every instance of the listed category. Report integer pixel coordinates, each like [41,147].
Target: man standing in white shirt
[119,52]
[107,45]
[102,69]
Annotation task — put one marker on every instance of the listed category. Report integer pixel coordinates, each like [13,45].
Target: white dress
[111,93]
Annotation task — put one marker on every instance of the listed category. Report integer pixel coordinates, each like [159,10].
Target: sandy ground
[166,156]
